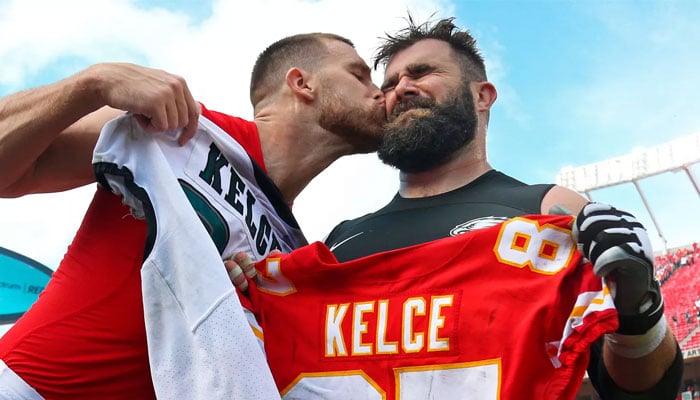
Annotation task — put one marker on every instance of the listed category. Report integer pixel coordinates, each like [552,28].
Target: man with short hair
[85,337]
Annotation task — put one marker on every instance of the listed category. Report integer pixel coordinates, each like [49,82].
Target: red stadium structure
[677,268]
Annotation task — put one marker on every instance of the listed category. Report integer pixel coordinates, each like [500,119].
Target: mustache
[412,103]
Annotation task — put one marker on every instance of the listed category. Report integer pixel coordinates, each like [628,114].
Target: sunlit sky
[578,82]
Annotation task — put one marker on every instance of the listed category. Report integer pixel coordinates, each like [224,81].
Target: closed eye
[388,85]
[412,71]
[419,70]
[361,71]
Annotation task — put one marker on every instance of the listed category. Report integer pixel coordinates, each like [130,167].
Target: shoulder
[343,230]
[347,228]
[234,126]
[564,197]
[497,180]
[241,130]
[547,195]
[497,187]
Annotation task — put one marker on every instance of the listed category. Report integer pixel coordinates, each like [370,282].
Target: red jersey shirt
[506,312]
[85,336]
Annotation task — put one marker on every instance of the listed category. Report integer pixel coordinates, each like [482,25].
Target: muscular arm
[34,154]
[630,374]
[47,134]
[641,374]
[563,197]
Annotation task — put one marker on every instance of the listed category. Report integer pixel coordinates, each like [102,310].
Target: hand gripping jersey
[200,203]
[506,312]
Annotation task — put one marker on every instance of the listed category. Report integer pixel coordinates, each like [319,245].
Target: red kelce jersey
[499,313]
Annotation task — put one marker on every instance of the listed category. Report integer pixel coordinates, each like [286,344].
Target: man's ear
[297,80]
[485,96]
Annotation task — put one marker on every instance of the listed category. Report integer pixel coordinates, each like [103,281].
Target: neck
[468,165]
[295,152]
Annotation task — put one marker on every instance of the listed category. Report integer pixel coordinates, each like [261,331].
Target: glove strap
[650,314]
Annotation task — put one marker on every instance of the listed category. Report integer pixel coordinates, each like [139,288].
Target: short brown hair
[304,50]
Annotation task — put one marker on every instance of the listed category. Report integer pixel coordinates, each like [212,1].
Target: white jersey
[202,201]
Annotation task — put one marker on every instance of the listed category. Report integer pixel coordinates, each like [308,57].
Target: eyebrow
[389,82]
[414,69]
[361,66]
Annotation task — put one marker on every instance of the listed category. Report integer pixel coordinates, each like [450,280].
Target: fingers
[275,253]
[608,236]
[235,273]
[171,114]
[193,109]
[184,112]
[240,268]
[174,110]
[603,226]
[162,100]
[246,264]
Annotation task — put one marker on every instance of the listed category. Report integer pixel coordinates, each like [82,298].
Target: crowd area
[667,263]
[677,270]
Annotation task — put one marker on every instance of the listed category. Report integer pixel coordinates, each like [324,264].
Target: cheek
[390,102]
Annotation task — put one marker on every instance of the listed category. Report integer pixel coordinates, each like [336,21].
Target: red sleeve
[243,131]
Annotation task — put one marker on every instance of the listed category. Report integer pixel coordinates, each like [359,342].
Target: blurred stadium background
[677,268]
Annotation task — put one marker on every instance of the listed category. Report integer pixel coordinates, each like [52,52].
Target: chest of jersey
[217,176]
[504,312]
[202,201]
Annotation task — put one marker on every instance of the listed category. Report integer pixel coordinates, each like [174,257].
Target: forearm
[32,121]
[641,374]
[47,134]
[641,360]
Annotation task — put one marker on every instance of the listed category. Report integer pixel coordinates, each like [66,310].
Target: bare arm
[561,196]
[47,134]
[640,374]
[630,374]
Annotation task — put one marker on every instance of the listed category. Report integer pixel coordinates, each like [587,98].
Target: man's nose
[378,94]
[405,88]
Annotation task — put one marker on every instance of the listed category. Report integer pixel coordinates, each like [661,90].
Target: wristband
[637,346]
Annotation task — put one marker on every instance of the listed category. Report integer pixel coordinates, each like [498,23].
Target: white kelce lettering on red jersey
[364,327]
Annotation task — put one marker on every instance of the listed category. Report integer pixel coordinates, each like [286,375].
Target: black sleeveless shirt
[486,201]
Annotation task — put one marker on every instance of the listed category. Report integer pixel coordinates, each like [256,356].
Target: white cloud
[216,57]
[42,226]
[43,31]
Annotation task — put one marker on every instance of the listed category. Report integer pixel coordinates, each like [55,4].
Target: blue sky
[578,82]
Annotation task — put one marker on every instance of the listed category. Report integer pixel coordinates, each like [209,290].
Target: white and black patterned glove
[619,249]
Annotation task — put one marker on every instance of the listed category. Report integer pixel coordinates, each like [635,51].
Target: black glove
[619,249]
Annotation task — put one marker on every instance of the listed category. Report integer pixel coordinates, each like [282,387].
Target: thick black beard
[428,141]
